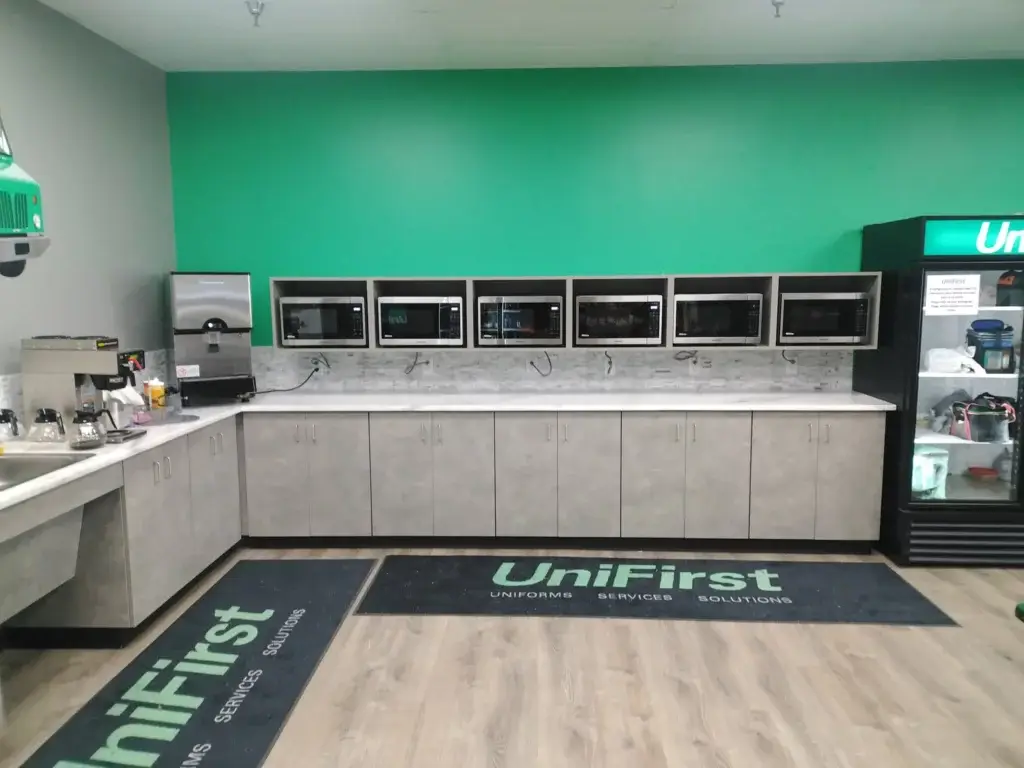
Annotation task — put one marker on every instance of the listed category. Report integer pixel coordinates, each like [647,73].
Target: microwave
[618,320]
[824,318]
[519,321]
[419,321]
[322,321]
[716,318]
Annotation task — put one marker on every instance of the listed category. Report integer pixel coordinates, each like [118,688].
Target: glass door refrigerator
[949,356]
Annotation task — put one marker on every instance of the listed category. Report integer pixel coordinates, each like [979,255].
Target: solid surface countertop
[158,434]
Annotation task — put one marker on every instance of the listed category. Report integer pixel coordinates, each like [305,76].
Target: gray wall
[88,121]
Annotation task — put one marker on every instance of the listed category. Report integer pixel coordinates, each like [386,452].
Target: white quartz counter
[157,435]
[570,401]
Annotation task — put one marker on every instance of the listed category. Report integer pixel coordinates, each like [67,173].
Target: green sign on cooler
[999,238]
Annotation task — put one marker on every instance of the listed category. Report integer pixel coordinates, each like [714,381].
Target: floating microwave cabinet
[526,474]
[589,460]
[214,489]
[653,475]
[718,475]
[433,474]
[307,475]
[816,476]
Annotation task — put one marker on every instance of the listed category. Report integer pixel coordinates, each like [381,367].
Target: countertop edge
[158,435]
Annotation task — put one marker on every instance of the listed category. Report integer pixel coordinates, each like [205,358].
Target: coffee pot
[8,424]
[48,427]
[86,431]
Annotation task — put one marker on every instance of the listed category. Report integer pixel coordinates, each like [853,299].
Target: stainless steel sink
[17,468]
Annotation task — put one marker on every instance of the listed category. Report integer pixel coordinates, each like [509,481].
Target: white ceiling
[461,34]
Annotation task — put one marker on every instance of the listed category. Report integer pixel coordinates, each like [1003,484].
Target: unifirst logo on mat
[622,575]
[152,712]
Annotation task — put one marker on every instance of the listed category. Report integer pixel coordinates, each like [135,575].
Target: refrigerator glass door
[966,438]
[197,297]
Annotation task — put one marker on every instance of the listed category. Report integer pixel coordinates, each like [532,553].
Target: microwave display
[723,318]
[420,321]
[618,320]
[330,321]
[824,318]
[519,320]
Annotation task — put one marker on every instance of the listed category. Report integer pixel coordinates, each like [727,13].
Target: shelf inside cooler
[924,436]
[978,376]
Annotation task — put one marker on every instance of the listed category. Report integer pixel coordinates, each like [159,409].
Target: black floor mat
[723,590]
[215,688]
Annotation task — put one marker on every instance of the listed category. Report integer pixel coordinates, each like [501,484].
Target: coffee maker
[70,373]
[211,317]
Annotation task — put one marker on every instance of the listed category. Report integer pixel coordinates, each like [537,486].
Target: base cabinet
[849,480]
[463,459]
[402,474]
[783,475]
[526,474]
[214,487]
[653,475]
[718,475]
[589,466]
[157,508]
[307,475]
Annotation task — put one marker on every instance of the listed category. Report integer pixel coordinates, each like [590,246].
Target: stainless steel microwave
[824,318]
[618,321]
[716,318]
[519,321]
[420,321]
[322,321]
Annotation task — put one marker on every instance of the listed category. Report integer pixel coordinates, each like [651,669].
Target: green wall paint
[580,172]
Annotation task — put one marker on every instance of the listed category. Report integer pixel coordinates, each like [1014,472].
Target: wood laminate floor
[398,692]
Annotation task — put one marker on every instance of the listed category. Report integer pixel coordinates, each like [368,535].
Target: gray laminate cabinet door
[589,463]
[783,475]
[850,476]
[276,474]
[401,474]
[204,475]
[718,475]
[339,474]
[158,523]
[151,575]
[463,474]
[526,474]
[653,474]
[229,495]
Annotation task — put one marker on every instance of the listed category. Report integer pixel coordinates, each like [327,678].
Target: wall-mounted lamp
[255,8]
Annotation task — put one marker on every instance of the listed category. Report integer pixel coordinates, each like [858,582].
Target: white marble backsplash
[455,371]
[10,385]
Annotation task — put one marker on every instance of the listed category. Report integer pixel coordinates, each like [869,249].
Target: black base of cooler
[967,538]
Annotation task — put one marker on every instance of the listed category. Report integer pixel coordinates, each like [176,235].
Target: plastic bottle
[157,393]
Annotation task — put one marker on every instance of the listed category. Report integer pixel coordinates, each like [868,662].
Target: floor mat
[215,688]
[723,590]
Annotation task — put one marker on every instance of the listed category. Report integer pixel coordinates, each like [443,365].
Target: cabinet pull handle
[168,469]
[296,433]
[314,432]
[156,473]
[220,442]
[693,432]
[213,445]
[440,440]
[828,432]
[548,432]
[810,432]
[423,432]
[565,433]
[679,431]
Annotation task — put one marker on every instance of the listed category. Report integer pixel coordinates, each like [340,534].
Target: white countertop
[570,401]
[158,434]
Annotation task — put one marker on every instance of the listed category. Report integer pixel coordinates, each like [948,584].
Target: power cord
[318,361]
[551,366]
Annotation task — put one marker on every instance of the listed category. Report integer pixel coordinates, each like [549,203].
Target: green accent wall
[580,172]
